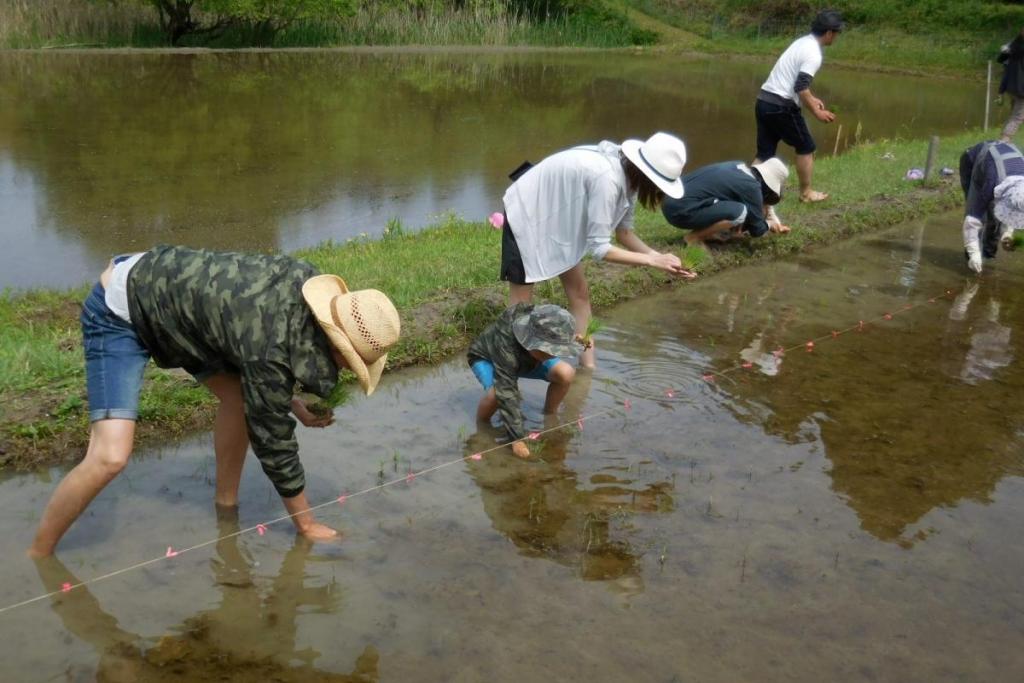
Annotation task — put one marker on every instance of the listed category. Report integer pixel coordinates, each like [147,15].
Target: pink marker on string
[477,456]
[260,529]
[628,405]
[747,365]
[810,346]
[579,423]
[65,587]
[887,316]
[669,393]
[835,333]
[171,552]
[708,377]
[409,477]
[497,219]
[533,436]
[342,498]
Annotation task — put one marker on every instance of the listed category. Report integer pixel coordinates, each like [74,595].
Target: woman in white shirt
[569,205]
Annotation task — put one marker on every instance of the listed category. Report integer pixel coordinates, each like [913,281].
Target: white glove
[972,242]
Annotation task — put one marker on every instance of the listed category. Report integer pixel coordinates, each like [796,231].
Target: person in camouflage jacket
[525,341]
[253,329]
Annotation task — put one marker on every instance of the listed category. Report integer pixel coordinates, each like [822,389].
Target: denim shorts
[114,361]
[484,371]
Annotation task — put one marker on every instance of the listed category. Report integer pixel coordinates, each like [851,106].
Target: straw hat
[362,325]
[661,159]
[773,173]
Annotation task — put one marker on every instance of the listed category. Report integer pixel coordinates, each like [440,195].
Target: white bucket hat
[1009,202]
[362,325]
[773,173]
[661,159]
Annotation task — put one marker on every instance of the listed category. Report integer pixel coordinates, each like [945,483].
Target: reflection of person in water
[543,509]
[990,348]
[248,637]
[760,351]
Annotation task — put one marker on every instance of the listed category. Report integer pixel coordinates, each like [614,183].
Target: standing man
[788,86]
[251,327]
[1012,84]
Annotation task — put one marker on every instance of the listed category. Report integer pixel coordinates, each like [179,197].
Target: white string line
[261,527]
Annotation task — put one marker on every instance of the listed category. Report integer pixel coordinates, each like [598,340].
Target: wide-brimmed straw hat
[773,173]
[362,325]
[548,328]
[1009,202]
[661,159]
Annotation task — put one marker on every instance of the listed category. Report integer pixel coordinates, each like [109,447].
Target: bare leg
[518,294]
[230,436]
[488,404]
[1016,118]
[560,379]
[576,291]
[110,446]
[805,171]
[704,234]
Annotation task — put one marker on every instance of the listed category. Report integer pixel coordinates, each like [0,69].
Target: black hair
[827,20]
[648,195]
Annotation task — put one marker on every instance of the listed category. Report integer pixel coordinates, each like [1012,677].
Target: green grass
[444,282]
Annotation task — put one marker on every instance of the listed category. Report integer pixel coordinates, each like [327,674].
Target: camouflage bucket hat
[362,325]
[548,328]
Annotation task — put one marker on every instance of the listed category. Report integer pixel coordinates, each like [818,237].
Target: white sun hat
[773,173]
[661,159]
[1009,202]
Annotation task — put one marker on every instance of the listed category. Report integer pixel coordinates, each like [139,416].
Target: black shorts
[512,269]
[781,122]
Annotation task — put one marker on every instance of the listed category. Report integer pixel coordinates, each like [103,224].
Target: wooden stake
[933,152]
[835,148]
[988,93]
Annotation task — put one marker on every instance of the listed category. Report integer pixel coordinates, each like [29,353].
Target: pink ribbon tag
[748,365]
[627,404]
[835,334]
[497,220]
[810,346]
[409,477]
[171,552]
[708,377]
[260,529]
[669,393]
[477,456]
[779,352]
[342,498]
[533,436]
[579,423]
[65,587]
[887,316]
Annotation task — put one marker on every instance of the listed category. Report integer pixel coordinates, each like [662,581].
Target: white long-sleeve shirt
[568,205]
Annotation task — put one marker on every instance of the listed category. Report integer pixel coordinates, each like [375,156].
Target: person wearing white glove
[992,178]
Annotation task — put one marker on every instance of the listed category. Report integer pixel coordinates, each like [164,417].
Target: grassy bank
[443,280]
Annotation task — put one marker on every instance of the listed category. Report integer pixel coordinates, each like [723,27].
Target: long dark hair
[647,193]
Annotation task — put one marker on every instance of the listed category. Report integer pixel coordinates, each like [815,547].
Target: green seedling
[322,407]
[694,257]
[593,327]
[1018,239]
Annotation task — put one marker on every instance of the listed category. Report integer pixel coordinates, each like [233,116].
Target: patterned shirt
[499,345]
[240,313]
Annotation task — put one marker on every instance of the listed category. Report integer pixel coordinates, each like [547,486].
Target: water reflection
[249,636]
[547,510]
[278,149]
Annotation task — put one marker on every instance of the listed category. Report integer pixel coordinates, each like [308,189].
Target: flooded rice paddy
[849,513]
[102,153]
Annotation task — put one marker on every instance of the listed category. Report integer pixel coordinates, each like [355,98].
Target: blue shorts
[484,371]
[114,361]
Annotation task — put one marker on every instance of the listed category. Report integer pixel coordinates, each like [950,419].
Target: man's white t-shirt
[566,206]
[803,55]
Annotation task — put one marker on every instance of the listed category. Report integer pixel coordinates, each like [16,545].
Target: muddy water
[102,153]
[850,513]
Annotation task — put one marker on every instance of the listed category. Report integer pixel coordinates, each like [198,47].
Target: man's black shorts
[512,269]
[781,122]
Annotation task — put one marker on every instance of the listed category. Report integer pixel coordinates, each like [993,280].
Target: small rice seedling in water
[593,327]
[694,257]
